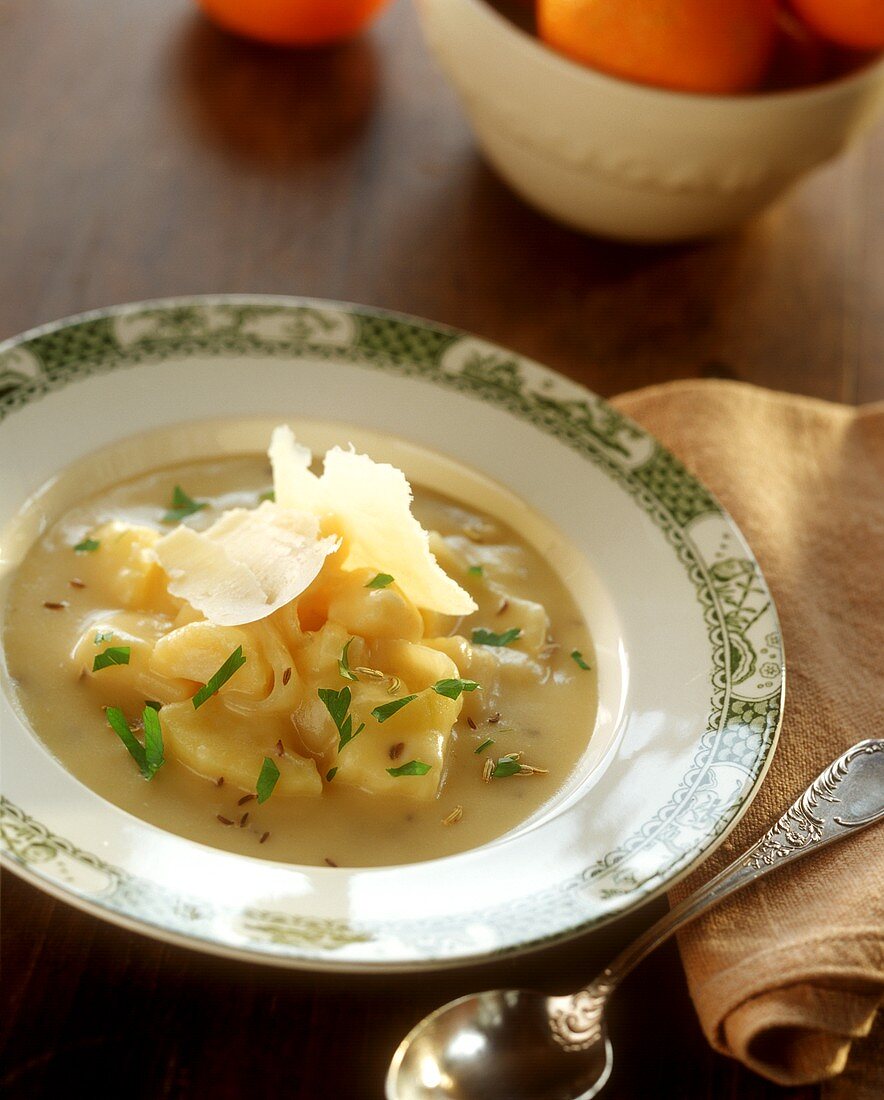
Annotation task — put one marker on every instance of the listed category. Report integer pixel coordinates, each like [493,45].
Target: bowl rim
[828,89]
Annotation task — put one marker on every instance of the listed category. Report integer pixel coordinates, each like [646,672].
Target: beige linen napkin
[786,975]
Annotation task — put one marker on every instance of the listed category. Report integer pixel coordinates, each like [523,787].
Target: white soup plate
[687,641]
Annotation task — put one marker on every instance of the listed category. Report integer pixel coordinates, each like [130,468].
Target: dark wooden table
[144,154]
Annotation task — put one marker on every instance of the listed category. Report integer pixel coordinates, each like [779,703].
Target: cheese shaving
[370,504]
[247,565]
[294,484]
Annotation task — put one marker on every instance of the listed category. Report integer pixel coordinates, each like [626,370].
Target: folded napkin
[788,973]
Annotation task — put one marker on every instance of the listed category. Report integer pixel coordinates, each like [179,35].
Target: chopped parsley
[268,494]
[486,744]
[578,659]
[475,570]
[488,637]
[344,664]
[182,506]
[87,546]
[235,661]
[153,739]
[267,780]
[113,655]
[103,636]
[330,774]
[380,581]
[413,767]
[506,766]
[149,756]
[452,689]
[337,703]
[387,710]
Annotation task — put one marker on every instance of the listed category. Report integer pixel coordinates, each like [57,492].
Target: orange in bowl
[858,24]
[624,159]
[689,45]
[293,22]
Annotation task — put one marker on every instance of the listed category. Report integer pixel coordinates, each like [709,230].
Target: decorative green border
[34,846]
[740,730]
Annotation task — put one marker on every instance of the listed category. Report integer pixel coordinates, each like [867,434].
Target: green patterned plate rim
[694,675]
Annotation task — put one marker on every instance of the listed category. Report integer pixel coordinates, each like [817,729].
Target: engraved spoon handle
[846,797]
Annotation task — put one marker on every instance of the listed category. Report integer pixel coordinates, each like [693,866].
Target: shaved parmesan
[294,483]
[247,565]
[370,503]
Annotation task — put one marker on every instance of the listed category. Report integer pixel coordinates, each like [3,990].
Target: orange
[690,45]
[855,23]
[801,57]
[293,22]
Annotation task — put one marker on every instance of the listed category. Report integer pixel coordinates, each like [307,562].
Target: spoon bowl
[498,1045]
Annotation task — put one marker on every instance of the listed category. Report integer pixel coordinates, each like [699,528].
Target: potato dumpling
[374,612]
[313,728]
[192,736]
[129,684]
[196,652]
[419,731]
[187,614]
[530,617]
[312,605]
[318,655]
[517,669]
[287,687]
[417,666]
[500,563]
[474,662]
[129,569]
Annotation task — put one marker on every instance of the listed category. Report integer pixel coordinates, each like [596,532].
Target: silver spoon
[517,1044]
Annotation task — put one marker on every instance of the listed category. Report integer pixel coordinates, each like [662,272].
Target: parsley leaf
[344,664]
[387,710]
[487,743]
[113,655]
[182,506]
[413,767]
[337,703]
[149,756]
[578,658]
[488,637]
[330,774]
[268,494]
[451,689]
[120,726]
[103,636]
[475,570]
[380,581]
[87,546]
[153,739]
[235,661]
[505,766]
[266,780]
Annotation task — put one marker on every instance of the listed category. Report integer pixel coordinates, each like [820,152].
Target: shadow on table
[596,309]
[272,109]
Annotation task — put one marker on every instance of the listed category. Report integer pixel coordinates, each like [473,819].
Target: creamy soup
[349,726]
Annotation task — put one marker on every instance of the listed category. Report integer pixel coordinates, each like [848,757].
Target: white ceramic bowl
[625,160]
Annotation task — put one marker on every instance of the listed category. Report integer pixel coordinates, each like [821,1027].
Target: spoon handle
[846,797]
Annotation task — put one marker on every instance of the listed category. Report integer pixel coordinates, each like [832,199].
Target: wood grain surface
[145,154]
